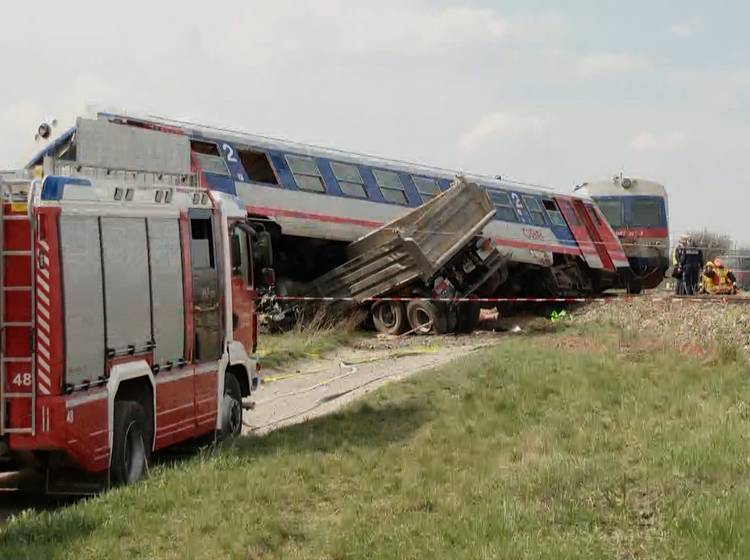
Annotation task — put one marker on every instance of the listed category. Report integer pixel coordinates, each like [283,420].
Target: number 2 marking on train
[230,153]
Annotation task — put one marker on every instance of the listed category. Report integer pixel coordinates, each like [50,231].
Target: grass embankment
[571,445]
[307,341]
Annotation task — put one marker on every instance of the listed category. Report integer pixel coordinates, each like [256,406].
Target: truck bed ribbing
[415,246]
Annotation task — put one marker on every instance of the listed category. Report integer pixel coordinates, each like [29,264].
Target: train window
[612,210]
[503,207]
[535,211]
[592,212]
[427,187]
[258,167]
[645,212]
[207,155]
[391,186]
[553,213]
[350,179]
[306,173]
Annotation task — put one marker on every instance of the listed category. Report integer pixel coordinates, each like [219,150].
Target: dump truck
[409,272]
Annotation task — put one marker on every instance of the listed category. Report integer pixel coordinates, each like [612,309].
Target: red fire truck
[128,320]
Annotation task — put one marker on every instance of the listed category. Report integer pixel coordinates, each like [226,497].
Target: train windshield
[633,211]
[645,212]
[612,210]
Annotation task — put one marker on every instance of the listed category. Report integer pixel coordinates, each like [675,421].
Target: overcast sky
[527,89]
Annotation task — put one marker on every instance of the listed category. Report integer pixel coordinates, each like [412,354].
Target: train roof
[622,186]
[212,133]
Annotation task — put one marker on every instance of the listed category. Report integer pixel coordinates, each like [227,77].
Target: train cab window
[503,207]
[258,167]
[594,214]
[306,173]
[350,179]
[645,212]
[207,155]
[427,187]
[612,210]
[201,244]
[535,211]
[391,186]
[553,213]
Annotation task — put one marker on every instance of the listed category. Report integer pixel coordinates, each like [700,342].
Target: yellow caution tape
[397,354]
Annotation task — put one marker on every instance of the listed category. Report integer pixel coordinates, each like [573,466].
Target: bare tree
[713,244]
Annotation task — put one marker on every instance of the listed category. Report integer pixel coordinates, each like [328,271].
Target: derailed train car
[315,201]
[638,211]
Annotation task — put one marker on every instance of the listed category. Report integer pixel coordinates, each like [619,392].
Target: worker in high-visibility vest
[718,279]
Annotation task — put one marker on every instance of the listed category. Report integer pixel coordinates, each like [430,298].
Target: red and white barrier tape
[442,300]
[607,299]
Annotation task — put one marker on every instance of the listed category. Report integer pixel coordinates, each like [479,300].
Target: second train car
[638,211]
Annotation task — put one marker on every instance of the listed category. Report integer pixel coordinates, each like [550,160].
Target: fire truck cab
[128,319]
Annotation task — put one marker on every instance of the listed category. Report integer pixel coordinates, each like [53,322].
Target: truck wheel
[426,318]
[468,317]
[131,444]
[231,408]
[389,317]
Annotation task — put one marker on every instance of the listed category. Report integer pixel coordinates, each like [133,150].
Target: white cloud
[657,142]
[601,64]
[682,30]
[501,126]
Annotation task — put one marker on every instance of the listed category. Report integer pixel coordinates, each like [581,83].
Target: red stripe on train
[642,232]
[280,212]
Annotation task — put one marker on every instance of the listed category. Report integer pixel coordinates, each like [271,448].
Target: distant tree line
[715,244]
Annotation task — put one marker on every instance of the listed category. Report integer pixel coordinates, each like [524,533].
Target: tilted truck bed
[415,246]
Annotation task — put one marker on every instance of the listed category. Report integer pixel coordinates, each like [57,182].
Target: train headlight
[45,129]
[627,183]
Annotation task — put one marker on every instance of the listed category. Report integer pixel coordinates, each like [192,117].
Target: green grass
[310,341]
[581,444]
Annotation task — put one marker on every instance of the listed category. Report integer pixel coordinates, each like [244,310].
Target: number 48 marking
[21,380]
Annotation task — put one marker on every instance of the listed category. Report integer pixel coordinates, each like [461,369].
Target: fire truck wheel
[468,317]
[231,408]
[426,318]
[389,317]
[130,449]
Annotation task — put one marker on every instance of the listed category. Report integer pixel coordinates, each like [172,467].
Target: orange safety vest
[719,282]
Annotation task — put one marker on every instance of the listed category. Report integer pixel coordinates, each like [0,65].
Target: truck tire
[426,318]
[468,317]
[389,317]
[131,443]
[231,408]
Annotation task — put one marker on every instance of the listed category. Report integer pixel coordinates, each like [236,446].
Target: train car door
[607,235]
[594,233]
[243,288]
[580,233]
[208,332]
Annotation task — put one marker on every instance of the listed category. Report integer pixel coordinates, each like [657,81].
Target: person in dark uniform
[677,273]
[691,263]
